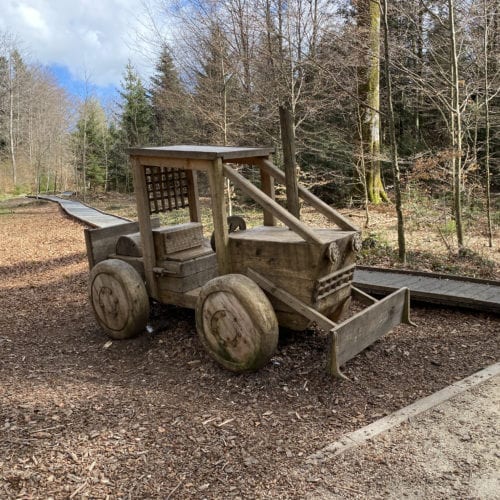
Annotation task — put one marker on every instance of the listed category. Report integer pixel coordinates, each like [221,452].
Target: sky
[79,40]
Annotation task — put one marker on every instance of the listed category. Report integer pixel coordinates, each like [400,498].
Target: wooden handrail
[306,195]
[271,206]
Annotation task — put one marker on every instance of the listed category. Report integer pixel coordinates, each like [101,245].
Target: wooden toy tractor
[258,278]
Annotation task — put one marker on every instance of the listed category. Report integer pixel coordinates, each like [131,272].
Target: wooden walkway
[84,213]
[432,288]
[457,291]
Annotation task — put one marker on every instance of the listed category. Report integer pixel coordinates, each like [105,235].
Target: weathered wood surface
[479,295]
[219,215]
[82,212]
[145,227]
[289,160]
[271,206]
[201,152]
[329,212]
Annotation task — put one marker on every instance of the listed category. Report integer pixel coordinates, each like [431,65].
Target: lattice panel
[167,189]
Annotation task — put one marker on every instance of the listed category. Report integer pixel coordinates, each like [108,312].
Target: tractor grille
[333,282]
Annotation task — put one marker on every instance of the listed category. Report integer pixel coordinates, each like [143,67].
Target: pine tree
[89,141]
[137,116]
[173,123]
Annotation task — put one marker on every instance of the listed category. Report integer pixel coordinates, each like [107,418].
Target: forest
[382,97]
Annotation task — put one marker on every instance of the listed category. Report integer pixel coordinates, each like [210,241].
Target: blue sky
[77,87]
[81,40]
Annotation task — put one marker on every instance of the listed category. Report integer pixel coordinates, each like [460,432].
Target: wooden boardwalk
[84,213]
[431,288]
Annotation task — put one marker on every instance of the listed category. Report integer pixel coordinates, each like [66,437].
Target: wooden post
[267,185]
[271,206]
[216,180]
[332,214]
[144,217]
[193,196]
[288,142]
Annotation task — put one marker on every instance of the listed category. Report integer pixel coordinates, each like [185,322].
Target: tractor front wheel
[119,299]
[236,323]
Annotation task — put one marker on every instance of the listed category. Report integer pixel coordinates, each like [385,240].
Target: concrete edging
[372,430]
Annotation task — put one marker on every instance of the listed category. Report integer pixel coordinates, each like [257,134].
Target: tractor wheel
[119,299]
[236,323]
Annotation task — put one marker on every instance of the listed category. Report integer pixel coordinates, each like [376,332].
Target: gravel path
[451,451]
[153,417]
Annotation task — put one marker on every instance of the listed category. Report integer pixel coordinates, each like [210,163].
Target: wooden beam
[145,226]
[183,164]
[193,196]
[341,221]
[271,206]
[297,305]
[216,181]
[267,183]
[288,144]
[365,327]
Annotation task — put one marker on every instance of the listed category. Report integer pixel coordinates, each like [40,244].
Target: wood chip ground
[154,417]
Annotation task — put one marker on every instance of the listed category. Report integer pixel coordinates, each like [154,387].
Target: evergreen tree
[89,144]
[137,116]
[173,121]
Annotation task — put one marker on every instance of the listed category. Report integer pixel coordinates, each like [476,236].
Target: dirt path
[451,451]
[153,416]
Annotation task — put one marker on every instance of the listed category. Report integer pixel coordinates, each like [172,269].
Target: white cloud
[93,38]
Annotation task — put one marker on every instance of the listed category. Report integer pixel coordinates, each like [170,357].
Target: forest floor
[154,417]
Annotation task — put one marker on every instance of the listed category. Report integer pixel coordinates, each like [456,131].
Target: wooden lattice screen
[167,189]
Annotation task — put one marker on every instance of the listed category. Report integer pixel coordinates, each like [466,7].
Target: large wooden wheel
[236,323]
[119,298]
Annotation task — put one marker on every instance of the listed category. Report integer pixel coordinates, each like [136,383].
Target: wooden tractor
[257,278]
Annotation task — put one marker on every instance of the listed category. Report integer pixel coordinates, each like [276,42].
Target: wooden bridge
[455,291]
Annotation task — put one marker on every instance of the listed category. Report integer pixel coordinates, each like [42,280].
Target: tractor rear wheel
[236,323]
[119,299]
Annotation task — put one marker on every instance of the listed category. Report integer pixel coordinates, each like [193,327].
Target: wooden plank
[189,266]
[183,164]
[193,196]
[267,183]
[182,284]
[101,242]
[357,333]
[308,312]
[201,152]
[444,291]
[372,430]
[363,297]
[312,199]
[219,216]
[413,272]
[145,226]
[271,206]
[288,146]
[181,299]
[489,293]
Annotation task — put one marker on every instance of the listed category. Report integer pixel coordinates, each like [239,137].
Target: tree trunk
[456,130]
[487,126]
[369,95]
[11,122]
[394,150]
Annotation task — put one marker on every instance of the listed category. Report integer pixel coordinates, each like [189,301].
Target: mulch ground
[154,417]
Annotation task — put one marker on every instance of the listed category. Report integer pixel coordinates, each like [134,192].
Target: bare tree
[392,136]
